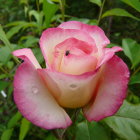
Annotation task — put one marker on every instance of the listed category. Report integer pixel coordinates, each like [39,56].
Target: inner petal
[73,56]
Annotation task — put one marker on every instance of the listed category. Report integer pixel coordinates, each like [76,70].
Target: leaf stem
[100,13]
[137,70]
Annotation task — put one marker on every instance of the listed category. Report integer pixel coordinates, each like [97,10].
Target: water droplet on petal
[73,86]
[34,90]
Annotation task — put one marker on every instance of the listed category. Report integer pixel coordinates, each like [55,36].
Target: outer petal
[108,54]
[34,100]
[69,90]
[97,33]
[27,53]
[110,92]
[53,36]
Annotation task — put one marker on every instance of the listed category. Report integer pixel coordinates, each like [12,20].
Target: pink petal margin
[27,54]
[34,100]
[110,92]
[94,31]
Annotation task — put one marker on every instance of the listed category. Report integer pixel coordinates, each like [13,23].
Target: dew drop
[73,86]
[34,90]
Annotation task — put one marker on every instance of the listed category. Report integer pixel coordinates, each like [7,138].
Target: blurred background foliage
[22,22]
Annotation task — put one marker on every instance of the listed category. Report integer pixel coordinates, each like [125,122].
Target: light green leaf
[125,128]
[135,79]
[129,110]
[13,121]
[24,128]
[6,135]
[126,121]
[132,51]
[119,12]
[98,2]
[49,9]
[133,3]
[91,130]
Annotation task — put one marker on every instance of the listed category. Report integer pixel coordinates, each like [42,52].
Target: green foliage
[98,2]
[119,12]
[89,130]
[133,3]
[132,50]
[49,9]
[6,135]
[24,128]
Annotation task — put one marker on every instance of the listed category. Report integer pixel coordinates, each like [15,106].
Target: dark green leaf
[91,130]
[3,85]
[133,3]
[132,50]
[119,12]
[135,79]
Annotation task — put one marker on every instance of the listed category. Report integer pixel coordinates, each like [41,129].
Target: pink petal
[53,36]
[110,92]
[27,53]
[34,100]
[77,65]
[69,90]
[108,54]
[96,32]
[78,60]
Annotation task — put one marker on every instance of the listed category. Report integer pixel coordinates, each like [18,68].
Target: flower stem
[100,13]
[62,7]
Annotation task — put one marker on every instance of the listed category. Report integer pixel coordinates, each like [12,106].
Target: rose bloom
[80,73]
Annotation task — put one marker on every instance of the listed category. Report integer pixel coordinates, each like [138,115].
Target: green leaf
[3,85]
[126,122]
[49,9]
[119,12]
[91,130]
[125,128]
[98,2]
[38,54]
[6,135]
[5,54]
[24,128]
[13,121]
[135,79]
[129,110]
[3,38]
[50,137]
[133,3]
[132,51]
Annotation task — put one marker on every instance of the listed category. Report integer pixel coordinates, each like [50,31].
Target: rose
[81,73]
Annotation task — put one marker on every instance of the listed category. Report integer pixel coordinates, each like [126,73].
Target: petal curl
[27,54]
[53,36]
[108,54]
[34,100]
[70,91]
[96,32]
[110,92]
